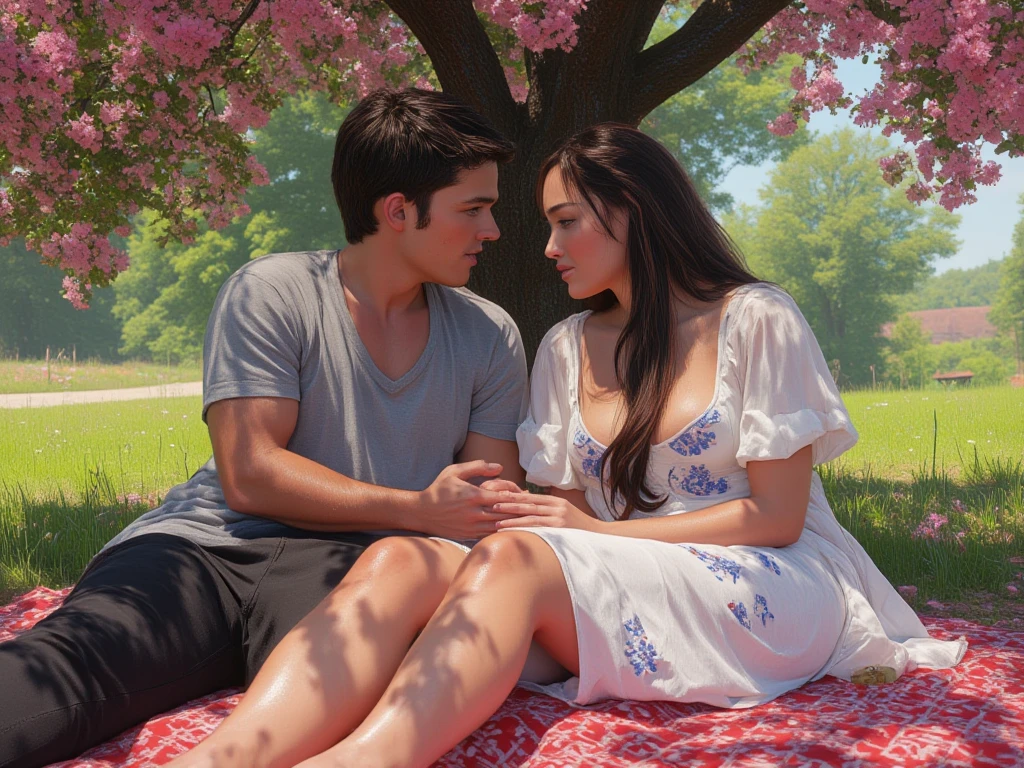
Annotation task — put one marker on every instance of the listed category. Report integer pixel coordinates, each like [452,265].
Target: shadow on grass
[950,538]
[49,541]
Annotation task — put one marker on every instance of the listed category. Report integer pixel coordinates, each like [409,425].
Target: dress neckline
[722,330]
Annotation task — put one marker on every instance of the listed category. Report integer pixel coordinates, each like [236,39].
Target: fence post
[47,364]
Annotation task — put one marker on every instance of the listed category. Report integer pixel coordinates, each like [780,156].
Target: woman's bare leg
[509,590]
[330,670]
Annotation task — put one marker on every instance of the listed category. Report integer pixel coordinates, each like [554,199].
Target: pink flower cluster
[110,107]
[929,528]
[952,80]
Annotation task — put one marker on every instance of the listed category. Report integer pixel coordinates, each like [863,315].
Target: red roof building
[955,324]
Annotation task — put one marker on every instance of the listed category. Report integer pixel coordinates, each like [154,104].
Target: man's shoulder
[474,313]
[287,270]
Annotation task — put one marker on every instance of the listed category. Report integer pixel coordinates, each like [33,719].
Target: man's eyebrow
[476,200]
[554,208]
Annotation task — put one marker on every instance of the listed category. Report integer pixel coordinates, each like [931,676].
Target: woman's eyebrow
[554,208]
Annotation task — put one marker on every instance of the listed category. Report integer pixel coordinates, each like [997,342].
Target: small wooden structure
[954,376]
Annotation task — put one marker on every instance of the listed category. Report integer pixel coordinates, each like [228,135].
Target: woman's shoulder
[756,303]
[561,338]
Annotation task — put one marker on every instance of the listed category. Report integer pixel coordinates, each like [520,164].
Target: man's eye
[473,211]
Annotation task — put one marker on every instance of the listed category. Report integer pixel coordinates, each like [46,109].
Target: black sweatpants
[154,622]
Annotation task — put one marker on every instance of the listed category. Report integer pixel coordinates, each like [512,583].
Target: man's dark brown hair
[410,141]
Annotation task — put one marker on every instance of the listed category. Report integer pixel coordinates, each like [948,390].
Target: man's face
[460,221]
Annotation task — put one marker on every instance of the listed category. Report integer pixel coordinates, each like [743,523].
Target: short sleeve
[253,345]
[499,402]
[789,398]
[543,437]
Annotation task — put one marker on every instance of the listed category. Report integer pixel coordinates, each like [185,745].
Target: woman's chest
[695,463]
[602,403]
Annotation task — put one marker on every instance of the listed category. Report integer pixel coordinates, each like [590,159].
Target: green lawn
[898,429]
[18,377]
[75,475]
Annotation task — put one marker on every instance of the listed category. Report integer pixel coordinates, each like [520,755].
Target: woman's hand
[536,509]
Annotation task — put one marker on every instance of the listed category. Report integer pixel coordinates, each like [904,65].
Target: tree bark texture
[606,77]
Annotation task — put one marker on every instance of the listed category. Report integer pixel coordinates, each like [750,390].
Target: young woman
[685,550]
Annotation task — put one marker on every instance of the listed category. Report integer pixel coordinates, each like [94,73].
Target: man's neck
[378,282]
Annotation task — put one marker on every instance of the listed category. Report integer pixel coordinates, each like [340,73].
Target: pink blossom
[952,81]
[84,131]
[909,592]
[1011,589]
[784,125]
[73,293]
[929,528]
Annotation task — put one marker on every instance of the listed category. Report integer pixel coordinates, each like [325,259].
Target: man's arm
[260,476]
[494,451]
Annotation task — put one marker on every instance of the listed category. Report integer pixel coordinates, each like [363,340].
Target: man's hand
[454,508]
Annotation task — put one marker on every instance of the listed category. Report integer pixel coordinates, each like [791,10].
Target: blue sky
[986,227]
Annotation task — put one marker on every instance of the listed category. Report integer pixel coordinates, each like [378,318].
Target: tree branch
[882,11]
[462,56]
[715,31]
[244,16]
[590,83]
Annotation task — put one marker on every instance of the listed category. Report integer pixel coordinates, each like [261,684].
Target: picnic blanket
[972,715]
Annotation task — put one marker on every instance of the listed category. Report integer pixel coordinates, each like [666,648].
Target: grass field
[898,429]
[73,476]
[18,377]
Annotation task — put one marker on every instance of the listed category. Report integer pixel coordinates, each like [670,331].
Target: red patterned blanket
[969,716]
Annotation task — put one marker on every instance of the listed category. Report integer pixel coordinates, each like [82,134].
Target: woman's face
[588,259]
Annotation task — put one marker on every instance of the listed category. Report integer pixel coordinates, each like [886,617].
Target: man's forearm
[291,489]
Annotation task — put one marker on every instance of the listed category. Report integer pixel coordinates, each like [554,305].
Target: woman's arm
[772,516]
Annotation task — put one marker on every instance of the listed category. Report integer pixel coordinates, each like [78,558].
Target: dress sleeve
[789,398]
[543,437]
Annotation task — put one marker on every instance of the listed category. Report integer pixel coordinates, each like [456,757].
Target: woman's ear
[393,211]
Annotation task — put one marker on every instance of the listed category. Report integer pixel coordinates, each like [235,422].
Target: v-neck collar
[430,292]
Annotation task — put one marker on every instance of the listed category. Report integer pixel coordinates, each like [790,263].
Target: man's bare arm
[260,476]
[494,451]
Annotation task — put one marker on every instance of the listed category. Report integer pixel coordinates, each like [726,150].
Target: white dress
[727,626]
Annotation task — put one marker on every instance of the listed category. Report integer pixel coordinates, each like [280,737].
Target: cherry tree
[112,106]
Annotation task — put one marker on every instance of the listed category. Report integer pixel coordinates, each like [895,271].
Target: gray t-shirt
[281,328]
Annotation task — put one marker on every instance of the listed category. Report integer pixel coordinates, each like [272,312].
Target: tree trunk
[514,272]
[607,76]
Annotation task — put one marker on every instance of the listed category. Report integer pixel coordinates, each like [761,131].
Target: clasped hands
[453,506]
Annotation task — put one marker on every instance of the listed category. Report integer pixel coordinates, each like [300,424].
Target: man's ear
[393,211]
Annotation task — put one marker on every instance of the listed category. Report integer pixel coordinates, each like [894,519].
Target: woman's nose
[552,250]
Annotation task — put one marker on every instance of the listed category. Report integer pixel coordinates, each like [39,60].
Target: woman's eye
[565,222]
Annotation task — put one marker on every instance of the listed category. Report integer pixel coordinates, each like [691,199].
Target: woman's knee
[408,561]
[515,554]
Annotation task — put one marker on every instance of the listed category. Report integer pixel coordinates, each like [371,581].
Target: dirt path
[45,399]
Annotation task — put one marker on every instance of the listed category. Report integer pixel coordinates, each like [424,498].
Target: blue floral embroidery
[639,650]
[761,611]
[769,562]
[697,438]
[590,454]
[697,482]
[716,563]
[740,612]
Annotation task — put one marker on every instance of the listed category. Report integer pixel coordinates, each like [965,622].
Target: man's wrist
[405,511]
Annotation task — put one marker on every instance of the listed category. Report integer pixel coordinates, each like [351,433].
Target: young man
[348,394]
